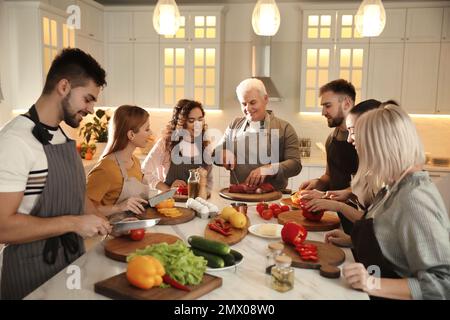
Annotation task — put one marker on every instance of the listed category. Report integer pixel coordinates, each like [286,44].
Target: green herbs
[178,260]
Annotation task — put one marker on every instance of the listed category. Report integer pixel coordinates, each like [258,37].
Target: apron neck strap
[39,131]
[121,166]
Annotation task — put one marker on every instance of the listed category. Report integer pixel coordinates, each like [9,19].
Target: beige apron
[131,187]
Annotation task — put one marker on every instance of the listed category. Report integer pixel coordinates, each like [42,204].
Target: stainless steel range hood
[261,66]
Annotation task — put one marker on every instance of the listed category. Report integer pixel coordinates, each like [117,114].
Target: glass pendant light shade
[370,18]
[166,17]
[266,18]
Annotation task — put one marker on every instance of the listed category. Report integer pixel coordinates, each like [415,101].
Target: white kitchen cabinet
[131,26]
[420,77]
[385,71]
[424,24]
[92,19]
[120,74]
[146,69]
[394,30]
[446,25]
[133,74]
[443,99]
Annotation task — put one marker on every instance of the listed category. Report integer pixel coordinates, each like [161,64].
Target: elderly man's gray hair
[249,84]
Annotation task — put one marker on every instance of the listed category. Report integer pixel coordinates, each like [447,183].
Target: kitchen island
[246,281]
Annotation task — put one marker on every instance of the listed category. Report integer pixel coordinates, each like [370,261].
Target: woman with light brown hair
[182,147]
[116,184]
[403,238]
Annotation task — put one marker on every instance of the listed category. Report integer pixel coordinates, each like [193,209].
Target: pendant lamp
[266,18]
[166,17]
[370,18]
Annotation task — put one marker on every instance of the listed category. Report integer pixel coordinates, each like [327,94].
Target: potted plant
[95,135]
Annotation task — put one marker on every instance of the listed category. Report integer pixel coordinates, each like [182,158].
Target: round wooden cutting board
[329,256]
[236,234]
[254,197]
[186,215]
[119,248]
[329,221]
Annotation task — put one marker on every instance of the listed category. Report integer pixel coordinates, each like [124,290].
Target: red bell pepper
[174,283]
[310,215]
[218,229]
[293,233]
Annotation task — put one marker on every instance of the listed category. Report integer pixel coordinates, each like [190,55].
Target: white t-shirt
[23,164]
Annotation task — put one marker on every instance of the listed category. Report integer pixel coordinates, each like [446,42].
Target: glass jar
[282,274]
[193,183]
[273,250]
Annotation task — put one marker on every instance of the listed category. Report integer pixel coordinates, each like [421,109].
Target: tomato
[274,206]
[267,214]
[260,207]
[276,212]
[137,234]
[285,208]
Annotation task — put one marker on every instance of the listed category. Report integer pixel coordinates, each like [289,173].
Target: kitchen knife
[124,226]
[161,197]
[234,176]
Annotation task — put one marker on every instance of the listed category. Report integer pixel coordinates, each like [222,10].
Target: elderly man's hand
[257,176]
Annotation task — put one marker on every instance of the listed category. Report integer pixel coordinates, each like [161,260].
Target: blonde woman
[405,232]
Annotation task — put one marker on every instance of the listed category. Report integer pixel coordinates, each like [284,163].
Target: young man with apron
[43,224]
[338,98]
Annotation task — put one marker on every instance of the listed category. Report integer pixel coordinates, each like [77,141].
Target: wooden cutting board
[236,234]
[270,196]
[118,287]
[329,256]
[181,198]
[186,215]
[329,221]
[288,202]
[119,248]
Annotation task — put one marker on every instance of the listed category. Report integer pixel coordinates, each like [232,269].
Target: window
[191,67]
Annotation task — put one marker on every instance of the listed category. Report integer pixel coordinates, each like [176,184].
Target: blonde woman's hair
[249,84]
[388,144]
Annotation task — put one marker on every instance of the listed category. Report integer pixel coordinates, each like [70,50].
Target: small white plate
[254,229]
[208,269]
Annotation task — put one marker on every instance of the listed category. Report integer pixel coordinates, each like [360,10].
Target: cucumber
[214,247]
[213,260]
[229,259]
[237,256]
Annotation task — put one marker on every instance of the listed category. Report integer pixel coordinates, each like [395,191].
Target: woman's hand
[133,204]
[178,183]
[311,194]
[339,238]
[357,277]
[323,204]
[339,195]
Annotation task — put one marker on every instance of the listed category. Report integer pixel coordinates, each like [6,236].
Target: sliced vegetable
[219,229]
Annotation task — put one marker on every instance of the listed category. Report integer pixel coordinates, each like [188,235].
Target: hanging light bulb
[166,17]
[266,18]
[370,18]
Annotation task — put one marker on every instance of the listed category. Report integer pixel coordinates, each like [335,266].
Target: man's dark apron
[27,266]
[342,161]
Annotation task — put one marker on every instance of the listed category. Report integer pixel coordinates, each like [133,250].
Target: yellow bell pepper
[295,197]
[145,272]
[168,203]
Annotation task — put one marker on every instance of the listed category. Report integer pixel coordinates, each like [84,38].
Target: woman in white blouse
[182,147]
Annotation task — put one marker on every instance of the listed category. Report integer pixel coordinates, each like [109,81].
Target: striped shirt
[24,166]
[413,230]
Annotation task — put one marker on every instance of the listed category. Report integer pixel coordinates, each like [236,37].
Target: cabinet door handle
[91,34]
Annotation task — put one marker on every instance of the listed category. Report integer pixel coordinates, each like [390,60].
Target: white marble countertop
[248,281]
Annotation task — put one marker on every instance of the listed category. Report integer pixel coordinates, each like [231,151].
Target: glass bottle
[273,250]
[193,183]
[282,274]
